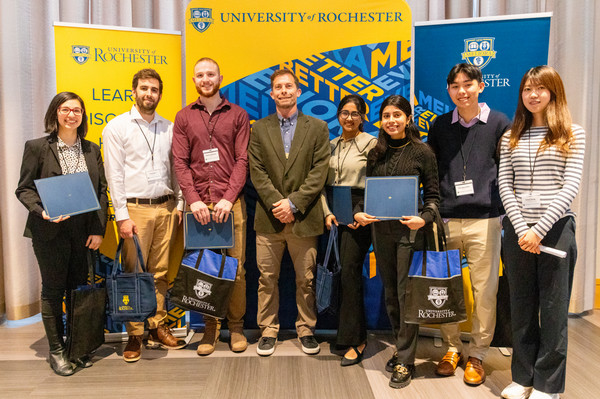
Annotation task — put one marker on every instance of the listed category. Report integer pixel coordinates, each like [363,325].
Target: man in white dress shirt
[146,198]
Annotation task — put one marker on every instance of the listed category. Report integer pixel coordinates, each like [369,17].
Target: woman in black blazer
[61,245]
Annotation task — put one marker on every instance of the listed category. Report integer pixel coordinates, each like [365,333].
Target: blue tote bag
[434,290]
[131,296]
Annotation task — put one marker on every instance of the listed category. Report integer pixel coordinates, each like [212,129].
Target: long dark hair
[378,152]
[51,118]
[361,106]
[557,115]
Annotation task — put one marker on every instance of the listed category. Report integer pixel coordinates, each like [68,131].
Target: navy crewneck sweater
[480,150]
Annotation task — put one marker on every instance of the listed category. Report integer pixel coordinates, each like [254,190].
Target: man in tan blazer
[289,157]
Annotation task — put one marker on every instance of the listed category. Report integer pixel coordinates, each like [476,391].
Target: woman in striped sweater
[541,162]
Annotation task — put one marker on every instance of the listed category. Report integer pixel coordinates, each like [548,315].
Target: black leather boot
[53,324]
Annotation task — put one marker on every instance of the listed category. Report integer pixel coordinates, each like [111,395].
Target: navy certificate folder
[67,195]
[339,199]
[208,236]
[391,197]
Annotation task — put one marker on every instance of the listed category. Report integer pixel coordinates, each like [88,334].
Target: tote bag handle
[117,260]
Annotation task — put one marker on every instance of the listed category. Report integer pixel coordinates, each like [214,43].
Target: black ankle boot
[59,362]
[53,324]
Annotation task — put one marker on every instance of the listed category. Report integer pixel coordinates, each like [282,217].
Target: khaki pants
[479,239]
[237,302]
[269,252]
[157,225]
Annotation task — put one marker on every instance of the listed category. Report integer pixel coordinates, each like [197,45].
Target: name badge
[153,176]
[464,188]
[211,155]
[531,200]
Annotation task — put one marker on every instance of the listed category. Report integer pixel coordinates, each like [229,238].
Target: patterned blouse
[71,157]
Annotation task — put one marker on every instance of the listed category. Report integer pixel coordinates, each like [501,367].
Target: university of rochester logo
[438,296]
[202,289]
[201,18]
[126,299]
[479,51]
[80,53]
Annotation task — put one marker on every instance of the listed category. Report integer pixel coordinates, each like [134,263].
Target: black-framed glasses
[67,111]
[354,115]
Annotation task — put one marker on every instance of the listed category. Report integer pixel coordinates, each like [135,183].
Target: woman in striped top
[541,162]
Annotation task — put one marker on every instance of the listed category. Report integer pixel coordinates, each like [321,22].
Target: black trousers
[540,287]
[62,259]
[354,245]
[393,247]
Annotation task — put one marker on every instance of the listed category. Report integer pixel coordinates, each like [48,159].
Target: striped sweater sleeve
[506,178]
[573,171]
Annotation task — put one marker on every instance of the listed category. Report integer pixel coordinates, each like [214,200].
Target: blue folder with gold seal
[209,236]
[67,195]
[391,197]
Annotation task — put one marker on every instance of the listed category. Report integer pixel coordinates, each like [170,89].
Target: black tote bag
[87,312]
[204,282]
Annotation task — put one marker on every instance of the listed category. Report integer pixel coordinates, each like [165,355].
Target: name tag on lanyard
[211,155]
[464,188]
[531,200]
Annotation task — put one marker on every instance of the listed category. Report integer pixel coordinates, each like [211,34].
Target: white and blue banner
[504,48]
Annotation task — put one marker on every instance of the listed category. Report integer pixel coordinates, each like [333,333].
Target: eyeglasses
[345,114]
[67,111]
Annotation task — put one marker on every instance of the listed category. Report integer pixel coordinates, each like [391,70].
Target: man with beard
[289,158]
[210,142]
[146,199]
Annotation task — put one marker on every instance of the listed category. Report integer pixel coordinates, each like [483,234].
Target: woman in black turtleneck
[400,152]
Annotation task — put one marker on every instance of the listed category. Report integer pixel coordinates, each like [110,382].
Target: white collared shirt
[129,142]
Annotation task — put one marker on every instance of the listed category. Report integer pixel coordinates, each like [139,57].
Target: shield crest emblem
[479,51]
[202,289]
[438,296]
[80,53]
[201,18]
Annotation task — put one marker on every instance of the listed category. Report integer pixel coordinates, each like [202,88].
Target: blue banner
[503,48]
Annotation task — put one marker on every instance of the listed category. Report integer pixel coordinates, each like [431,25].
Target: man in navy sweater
[465,143]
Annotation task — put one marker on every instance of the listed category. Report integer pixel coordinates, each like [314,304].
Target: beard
[144,108]
[210,93]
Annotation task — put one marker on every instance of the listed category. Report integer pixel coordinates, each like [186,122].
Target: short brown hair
[209,60]
[147,73]
[281,72]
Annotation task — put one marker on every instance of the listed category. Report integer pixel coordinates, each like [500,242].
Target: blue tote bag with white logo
[204,282]
[131,296]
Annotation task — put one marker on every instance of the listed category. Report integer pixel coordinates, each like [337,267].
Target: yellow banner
[247,37]
[98,63]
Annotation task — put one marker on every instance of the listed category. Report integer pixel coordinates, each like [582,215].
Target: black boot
[53,324]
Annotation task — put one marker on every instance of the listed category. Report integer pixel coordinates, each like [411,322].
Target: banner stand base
[180,332]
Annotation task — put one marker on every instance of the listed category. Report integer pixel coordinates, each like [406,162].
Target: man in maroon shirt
[210,142]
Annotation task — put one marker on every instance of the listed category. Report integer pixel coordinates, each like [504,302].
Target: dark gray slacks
[540,287]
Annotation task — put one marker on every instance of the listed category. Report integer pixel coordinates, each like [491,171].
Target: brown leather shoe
[474,372]
[447,366]
[238,341]
[133,349]
[161,337]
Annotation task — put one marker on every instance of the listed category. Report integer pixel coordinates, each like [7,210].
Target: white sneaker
[516,391]
[535,394]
